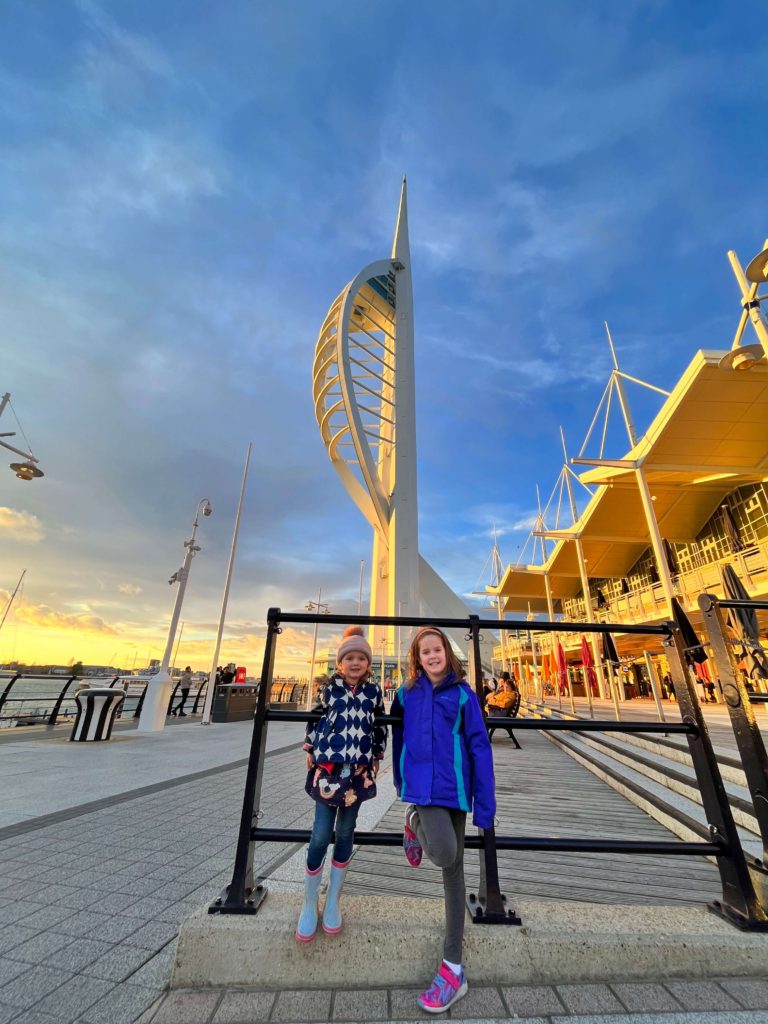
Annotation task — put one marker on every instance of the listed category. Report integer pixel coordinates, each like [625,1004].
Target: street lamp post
[322,609]
[155,707]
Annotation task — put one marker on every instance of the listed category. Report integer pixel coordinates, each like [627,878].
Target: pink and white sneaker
[411,845]
[447,988]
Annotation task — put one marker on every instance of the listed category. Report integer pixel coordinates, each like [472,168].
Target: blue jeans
[345,819]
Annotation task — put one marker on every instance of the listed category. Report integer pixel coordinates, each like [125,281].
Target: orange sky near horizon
[36,643]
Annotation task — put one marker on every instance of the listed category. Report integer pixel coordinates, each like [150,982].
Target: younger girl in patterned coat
[344,749]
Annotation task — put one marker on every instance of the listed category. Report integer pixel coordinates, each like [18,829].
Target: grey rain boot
[332,921]
[307,926]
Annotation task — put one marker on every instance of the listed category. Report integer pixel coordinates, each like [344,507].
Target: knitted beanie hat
[353,639]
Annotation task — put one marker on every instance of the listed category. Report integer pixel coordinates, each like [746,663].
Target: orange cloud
[20,525]
[44,616]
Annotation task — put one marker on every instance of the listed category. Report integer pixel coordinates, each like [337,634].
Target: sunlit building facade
[689,497]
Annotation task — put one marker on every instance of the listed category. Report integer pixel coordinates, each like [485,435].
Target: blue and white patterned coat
[346,733]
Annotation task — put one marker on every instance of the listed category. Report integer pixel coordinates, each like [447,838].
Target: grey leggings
[440,830]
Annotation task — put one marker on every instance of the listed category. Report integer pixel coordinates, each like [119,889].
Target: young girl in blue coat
[443,768]
[344,749]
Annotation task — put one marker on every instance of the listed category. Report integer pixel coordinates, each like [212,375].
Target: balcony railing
[647,604]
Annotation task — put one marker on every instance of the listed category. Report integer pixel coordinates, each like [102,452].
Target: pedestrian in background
[184,685]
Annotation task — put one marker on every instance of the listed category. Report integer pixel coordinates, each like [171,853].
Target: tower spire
[401,249]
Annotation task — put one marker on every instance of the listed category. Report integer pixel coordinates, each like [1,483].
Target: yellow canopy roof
[709,437]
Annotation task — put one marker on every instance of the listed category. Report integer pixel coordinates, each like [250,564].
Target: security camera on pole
[155,707]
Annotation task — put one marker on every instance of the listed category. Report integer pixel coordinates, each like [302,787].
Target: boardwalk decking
[542,791]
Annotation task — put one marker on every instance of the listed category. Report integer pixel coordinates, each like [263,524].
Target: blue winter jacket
[441,754]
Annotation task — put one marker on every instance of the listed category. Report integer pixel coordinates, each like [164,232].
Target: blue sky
[187,186]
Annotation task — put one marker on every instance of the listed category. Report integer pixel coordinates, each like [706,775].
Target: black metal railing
[739,904]
[22,703]
[739,702]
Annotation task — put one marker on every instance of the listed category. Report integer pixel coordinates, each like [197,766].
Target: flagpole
[225,598]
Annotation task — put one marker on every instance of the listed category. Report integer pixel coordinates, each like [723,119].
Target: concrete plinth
[398,941]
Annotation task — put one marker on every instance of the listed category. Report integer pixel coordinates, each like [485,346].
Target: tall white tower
[364,392]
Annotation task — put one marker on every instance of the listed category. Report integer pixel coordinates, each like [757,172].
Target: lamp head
[26,470]
[757,269]
[743,357]
[207,509]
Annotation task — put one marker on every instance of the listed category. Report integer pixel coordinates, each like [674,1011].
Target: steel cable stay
[739,904]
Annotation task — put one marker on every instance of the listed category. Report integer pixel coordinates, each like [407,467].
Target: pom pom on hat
[353,639]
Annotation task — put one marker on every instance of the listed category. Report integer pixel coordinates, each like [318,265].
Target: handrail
[739,904]
[546,626]
[49,705]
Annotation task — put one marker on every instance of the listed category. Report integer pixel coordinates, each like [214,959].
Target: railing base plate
[253,900]
[734,917]
[480,915]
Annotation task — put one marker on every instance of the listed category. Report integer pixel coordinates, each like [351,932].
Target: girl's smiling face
[432,658]
[353,666]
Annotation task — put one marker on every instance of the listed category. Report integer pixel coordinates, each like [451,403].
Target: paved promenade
[105,848]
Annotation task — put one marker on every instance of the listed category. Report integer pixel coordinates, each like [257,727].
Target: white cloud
[129,588]
[20,525]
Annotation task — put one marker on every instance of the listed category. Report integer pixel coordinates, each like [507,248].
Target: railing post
[140,704]
[7,690]
[488,905]
[173,697]
[200,691]
[57,706]
[745,728]
[739,904]
[241,896]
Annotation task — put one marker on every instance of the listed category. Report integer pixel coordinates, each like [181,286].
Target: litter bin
[96,711]
[234,703]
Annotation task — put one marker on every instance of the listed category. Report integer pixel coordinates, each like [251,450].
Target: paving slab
[737,1017]
[359,1004]
[532,1000]
[37,949]
[156,972]
[403,1005]
[751,993]
[120,1006]
[589,999]
[480,1003]
[244,1007]
[187,1008]
[78,955]
[647,997]
[10,969]
[31,986]
[152,935]
[305,1005]
[72,999]
[701,995]
[119,962]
